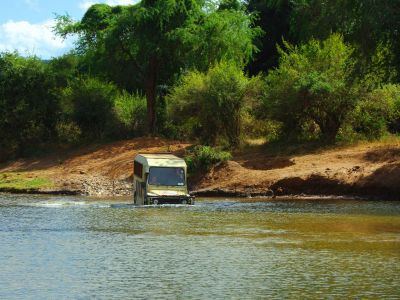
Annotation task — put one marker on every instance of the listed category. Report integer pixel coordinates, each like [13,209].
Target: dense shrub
[255,122]
[131,112]
[210,106]
[393,93]
[254,128]
[184,103]
[377,112]
[202,158]
[68,132]
[28,106]
[64,69]
[313,85]
[89,103]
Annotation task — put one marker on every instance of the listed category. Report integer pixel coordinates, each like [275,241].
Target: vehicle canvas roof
[159,156]
[160,159]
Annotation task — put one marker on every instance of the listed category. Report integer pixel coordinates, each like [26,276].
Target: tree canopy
[151,41]
[313,83]
[214,71]
[28,106]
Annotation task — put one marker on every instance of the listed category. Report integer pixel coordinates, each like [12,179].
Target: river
[54,247]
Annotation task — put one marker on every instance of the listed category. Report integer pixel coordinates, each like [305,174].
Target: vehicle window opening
[167,176]
[138,169]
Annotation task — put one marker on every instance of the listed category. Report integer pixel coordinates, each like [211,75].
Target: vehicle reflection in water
[75,247]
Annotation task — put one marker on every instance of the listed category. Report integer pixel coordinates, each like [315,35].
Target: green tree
[378,112]
[313,83]
[369,25]
[225,33]
[89,102]
[157,40]
[28,106]
[210,105]
[131,111]
[64,69]
[143,35]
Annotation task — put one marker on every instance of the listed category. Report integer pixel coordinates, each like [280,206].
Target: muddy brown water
[78,248]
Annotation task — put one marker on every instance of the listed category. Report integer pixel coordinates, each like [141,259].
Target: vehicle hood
[166,193]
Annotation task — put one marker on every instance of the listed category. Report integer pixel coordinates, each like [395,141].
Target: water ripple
[78,248]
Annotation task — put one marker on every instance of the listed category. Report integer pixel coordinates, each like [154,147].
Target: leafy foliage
[367,24]
[313,85]
[68,132]
[28,106]
[89,103]
[378,112]
[131,111]
[223,34]
[202,158]
[210,105]
[143,46]
[64,69]
[324,85]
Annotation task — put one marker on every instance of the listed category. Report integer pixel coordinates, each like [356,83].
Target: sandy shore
[368,170]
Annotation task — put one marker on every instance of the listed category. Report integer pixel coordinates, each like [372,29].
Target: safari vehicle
[160,179]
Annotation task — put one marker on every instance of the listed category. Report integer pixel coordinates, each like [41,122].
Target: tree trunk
[150,86]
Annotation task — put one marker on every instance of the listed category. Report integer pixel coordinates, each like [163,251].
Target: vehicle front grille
[170,200]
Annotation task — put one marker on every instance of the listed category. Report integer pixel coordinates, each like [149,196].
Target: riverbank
[367,170]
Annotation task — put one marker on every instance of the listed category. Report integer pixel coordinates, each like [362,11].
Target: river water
[54,247]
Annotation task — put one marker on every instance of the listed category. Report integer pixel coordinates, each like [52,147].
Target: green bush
[211,106]
[393,92]
[64,69]
[28,106]
[202,158]
[68,132]
[313,85]
[89,102]
[377,112]
[255,122]
[257,128]
[130,110]
[184,104]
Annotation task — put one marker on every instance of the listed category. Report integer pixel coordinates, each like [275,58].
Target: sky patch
[32,39]
[26,25]
[84,5]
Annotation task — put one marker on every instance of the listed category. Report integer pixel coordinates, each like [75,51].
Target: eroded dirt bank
[106,170]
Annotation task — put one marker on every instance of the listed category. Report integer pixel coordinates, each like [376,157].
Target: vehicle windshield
[167,176]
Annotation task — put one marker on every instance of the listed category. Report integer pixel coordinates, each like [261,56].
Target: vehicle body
[160,179]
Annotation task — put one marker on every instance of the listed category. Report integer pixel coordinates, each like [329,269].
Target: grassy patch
[23,181]
[202,158]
